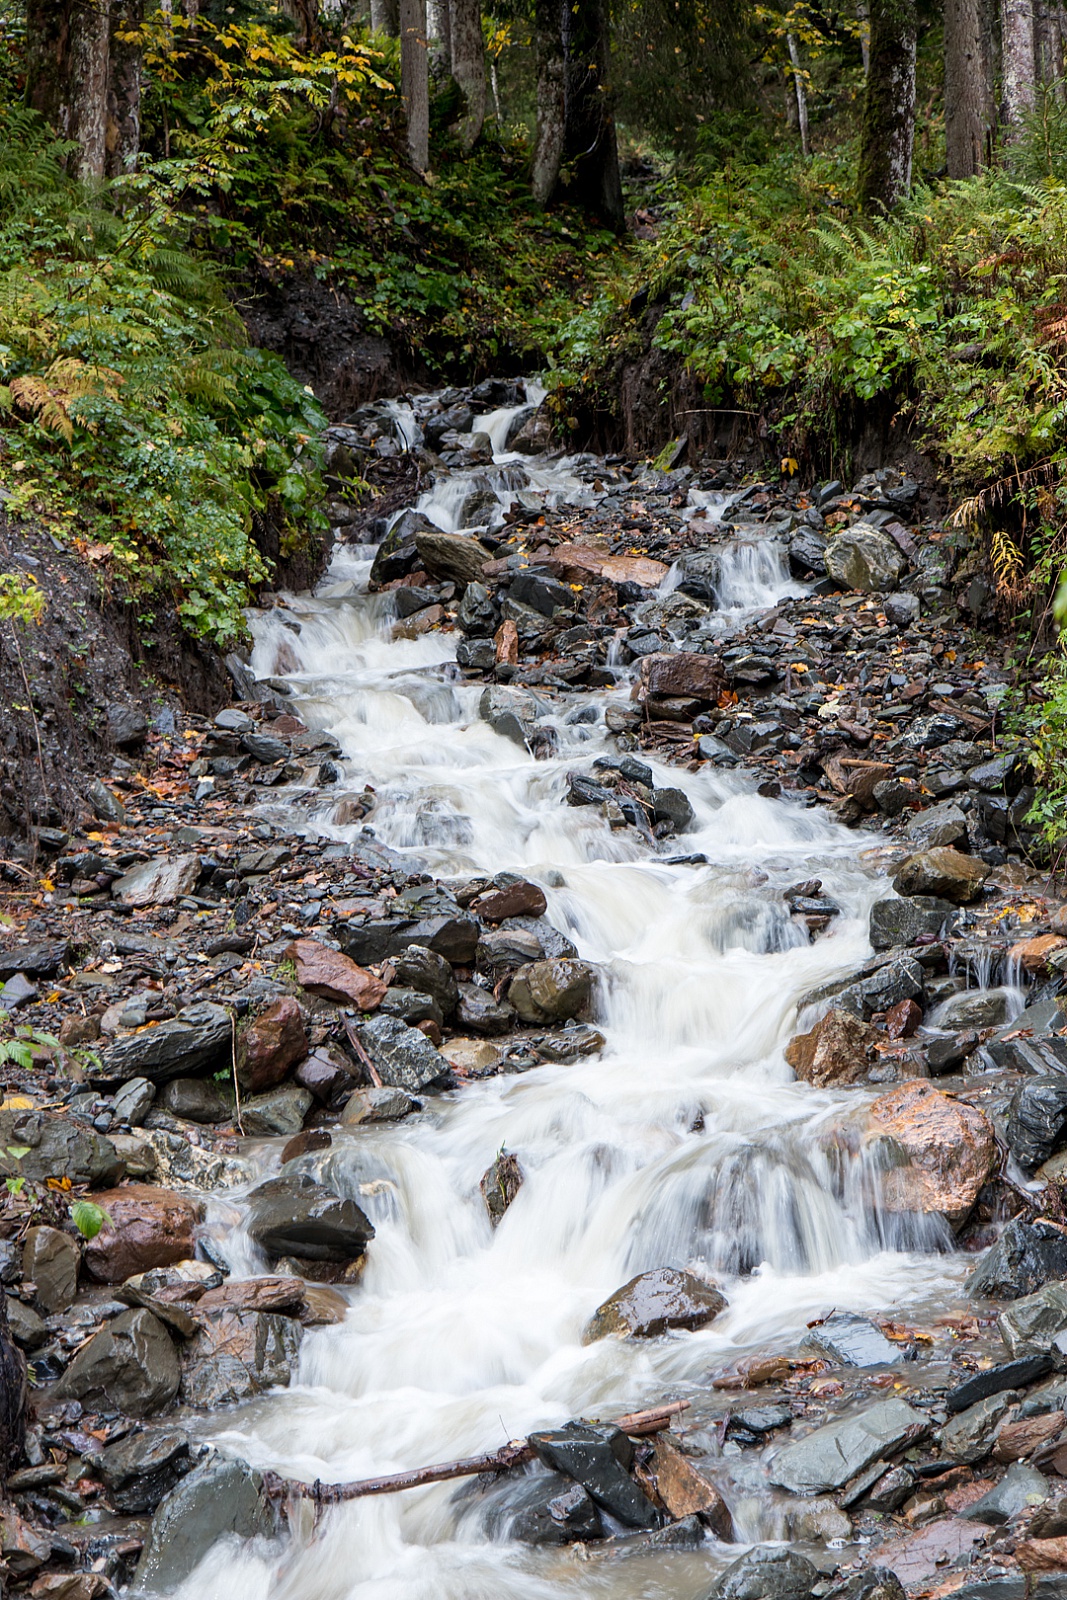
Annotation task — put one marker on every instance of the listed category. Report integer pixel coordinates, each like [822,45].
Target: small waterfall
[752,574]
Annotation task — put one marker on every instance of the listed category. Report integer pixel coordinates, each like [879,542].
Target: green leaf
[88,1218]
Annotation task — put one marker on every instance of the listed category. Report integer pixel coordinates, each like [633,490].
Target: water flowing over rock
[949,1150]
[654,1303]
[837,1050]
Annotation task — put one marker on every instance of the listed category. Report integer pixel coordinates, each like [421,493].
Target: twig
[357,1045]
[233,1064]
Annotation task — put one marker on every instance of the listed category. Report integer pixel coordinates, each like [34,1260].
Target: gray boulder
[296,1216]
[937,825]
[896,921]
[1027,1256]
[218,1498]
[969,1436]
[419,967]
[864,558]
[1030,1326]
[827,1458]
[552,991]
[766,1574]
[513,713]
[851,1341]
[58,1147]
[142,1468]
[158,883]
[1021,1488]
[131,1365]
[403,1057]
[1037,1121]
[239,1353]
[197,1037]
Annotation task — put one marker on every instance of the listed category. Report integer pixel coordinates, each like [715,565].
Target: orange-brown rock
[671,1481]
[1032,954]
[1042,1555]
[506,640]
[334,976]
[520,899]
[273,1042]
[902,1019]
[855,776]
[684,673]
[837,1050]
[149,1227]
[283,1295]
[936,1152]
[1017,1440]
[577,563]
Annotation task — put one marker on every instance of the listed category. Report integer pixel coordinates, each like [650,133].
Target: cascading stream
[684,1143]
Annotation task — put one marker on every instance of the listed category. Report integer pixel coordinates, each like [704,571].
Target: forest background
[822,214]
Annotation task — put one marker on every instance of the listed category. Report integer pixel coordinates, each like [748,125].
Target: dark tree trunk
[548,144]
[589,115]
[385,17]
[1019,51]
[415,80]
[889,106]
[968,88]
[439,37]
[124,90]
[12,1396]
[468,67]
[67,47]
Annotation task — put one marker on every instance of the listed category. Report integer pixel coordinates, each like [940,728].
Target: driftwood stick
[514,1454]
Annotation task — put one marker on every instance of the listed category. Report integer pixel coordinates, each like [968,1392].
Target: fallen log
[637,1425]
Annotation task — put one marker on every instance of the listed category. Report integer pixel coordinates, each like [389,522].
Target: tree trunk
[548,144]
[124,91]
[1019,46]
[414,80]
[863,17]
[67,74]
[12,1397]
[968,89]
[385,17]
[889,106]
[801,94]
[468,67]
[589,118]
[1049,31]
[439,36]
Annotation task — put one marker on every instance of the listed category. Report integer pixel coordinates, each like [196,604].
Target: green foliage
[128,388]
[19,1048]
[89,1218]
[21,599]
[1045,727]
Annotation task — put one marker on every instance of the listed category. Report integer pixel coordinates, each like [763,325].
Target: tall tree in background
[70,78]
[415,80]
[550,135]
[590,140]
[968,88]
[889,106]
[1019,54]
[385,17]
[439,36]
[468,66]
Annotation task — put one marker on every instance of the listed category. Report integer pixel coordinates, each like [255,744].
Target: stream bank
[577,810]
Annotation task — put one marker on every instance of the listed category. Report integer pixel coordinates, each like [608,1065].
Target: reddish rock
[577,563]
[283,1295]
[1032,954]
[307,1140]
[517,900]
[837,1050]
[334,976]
[671,1481]
[851,775]
[1042,1555]
[149,1227]
[938,1152]
[683,673]
[273,1042]
[902,1019]
[1017,1440]
[506,640]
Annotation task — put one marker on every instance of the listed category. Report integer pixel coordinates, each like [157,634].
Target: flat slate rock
[827,1458]
[851,1341]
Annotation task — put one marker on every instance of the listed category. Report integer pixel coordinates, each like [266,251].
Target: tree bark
[124,90]
[414,80]
[589,118]
[1049,32]
[468,67]
[889,106]
[549,140]
[968,89]
[439,36]
[801,94]
[1019,47]
[67,46]
[12,1397]
[385,17]
[863,17]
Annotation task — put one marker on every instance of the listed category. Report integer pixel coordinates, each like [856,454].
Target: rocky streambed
[593,964]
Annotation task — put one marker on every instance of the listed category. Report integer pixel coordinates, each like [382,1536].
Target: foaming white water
[683,1143]
[753,573]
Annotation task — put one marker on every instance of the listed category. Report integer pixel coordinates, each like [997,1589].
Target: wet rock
[423,969]
[39,960]
[296,1216]
[158,883]
[134,1101]
[218,1498]
[807,553]
[851,1341]
[597,1458]
[513,713]
[306,1143]
[334,976]
[272,1043]
[412,1007]
[969,1436]
[198,1037]
[237,1354]
[500,1184]
[403,1057]
[1032,955]
[1026,1435]
[656,1303]
[885,985]
[277,1114]
[141,1469]
[195,1100]
[552,991]
[974,1008]
[673,806]
[896,922]
[876,1583]
[28,1330]
[131,1365]
[827,1458]
[1030,1326]
[683,674]
[518,899]
[477,616]
[1020,1489]
[837,1050]
[671,1481]
[942,872]
[326,1073]
[57,1148]
[377,1105]
[479,1012]
[1037,1121]
[504,950]
[864,558]
[282,1296]
[451,557]
[766,1573]
[450,933]
[1025,1257]
[938,825]
[106,805]
[51,1260]
[554,1511]
[23,1547]
[996,1380]
[948,1150]
[149,1227]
